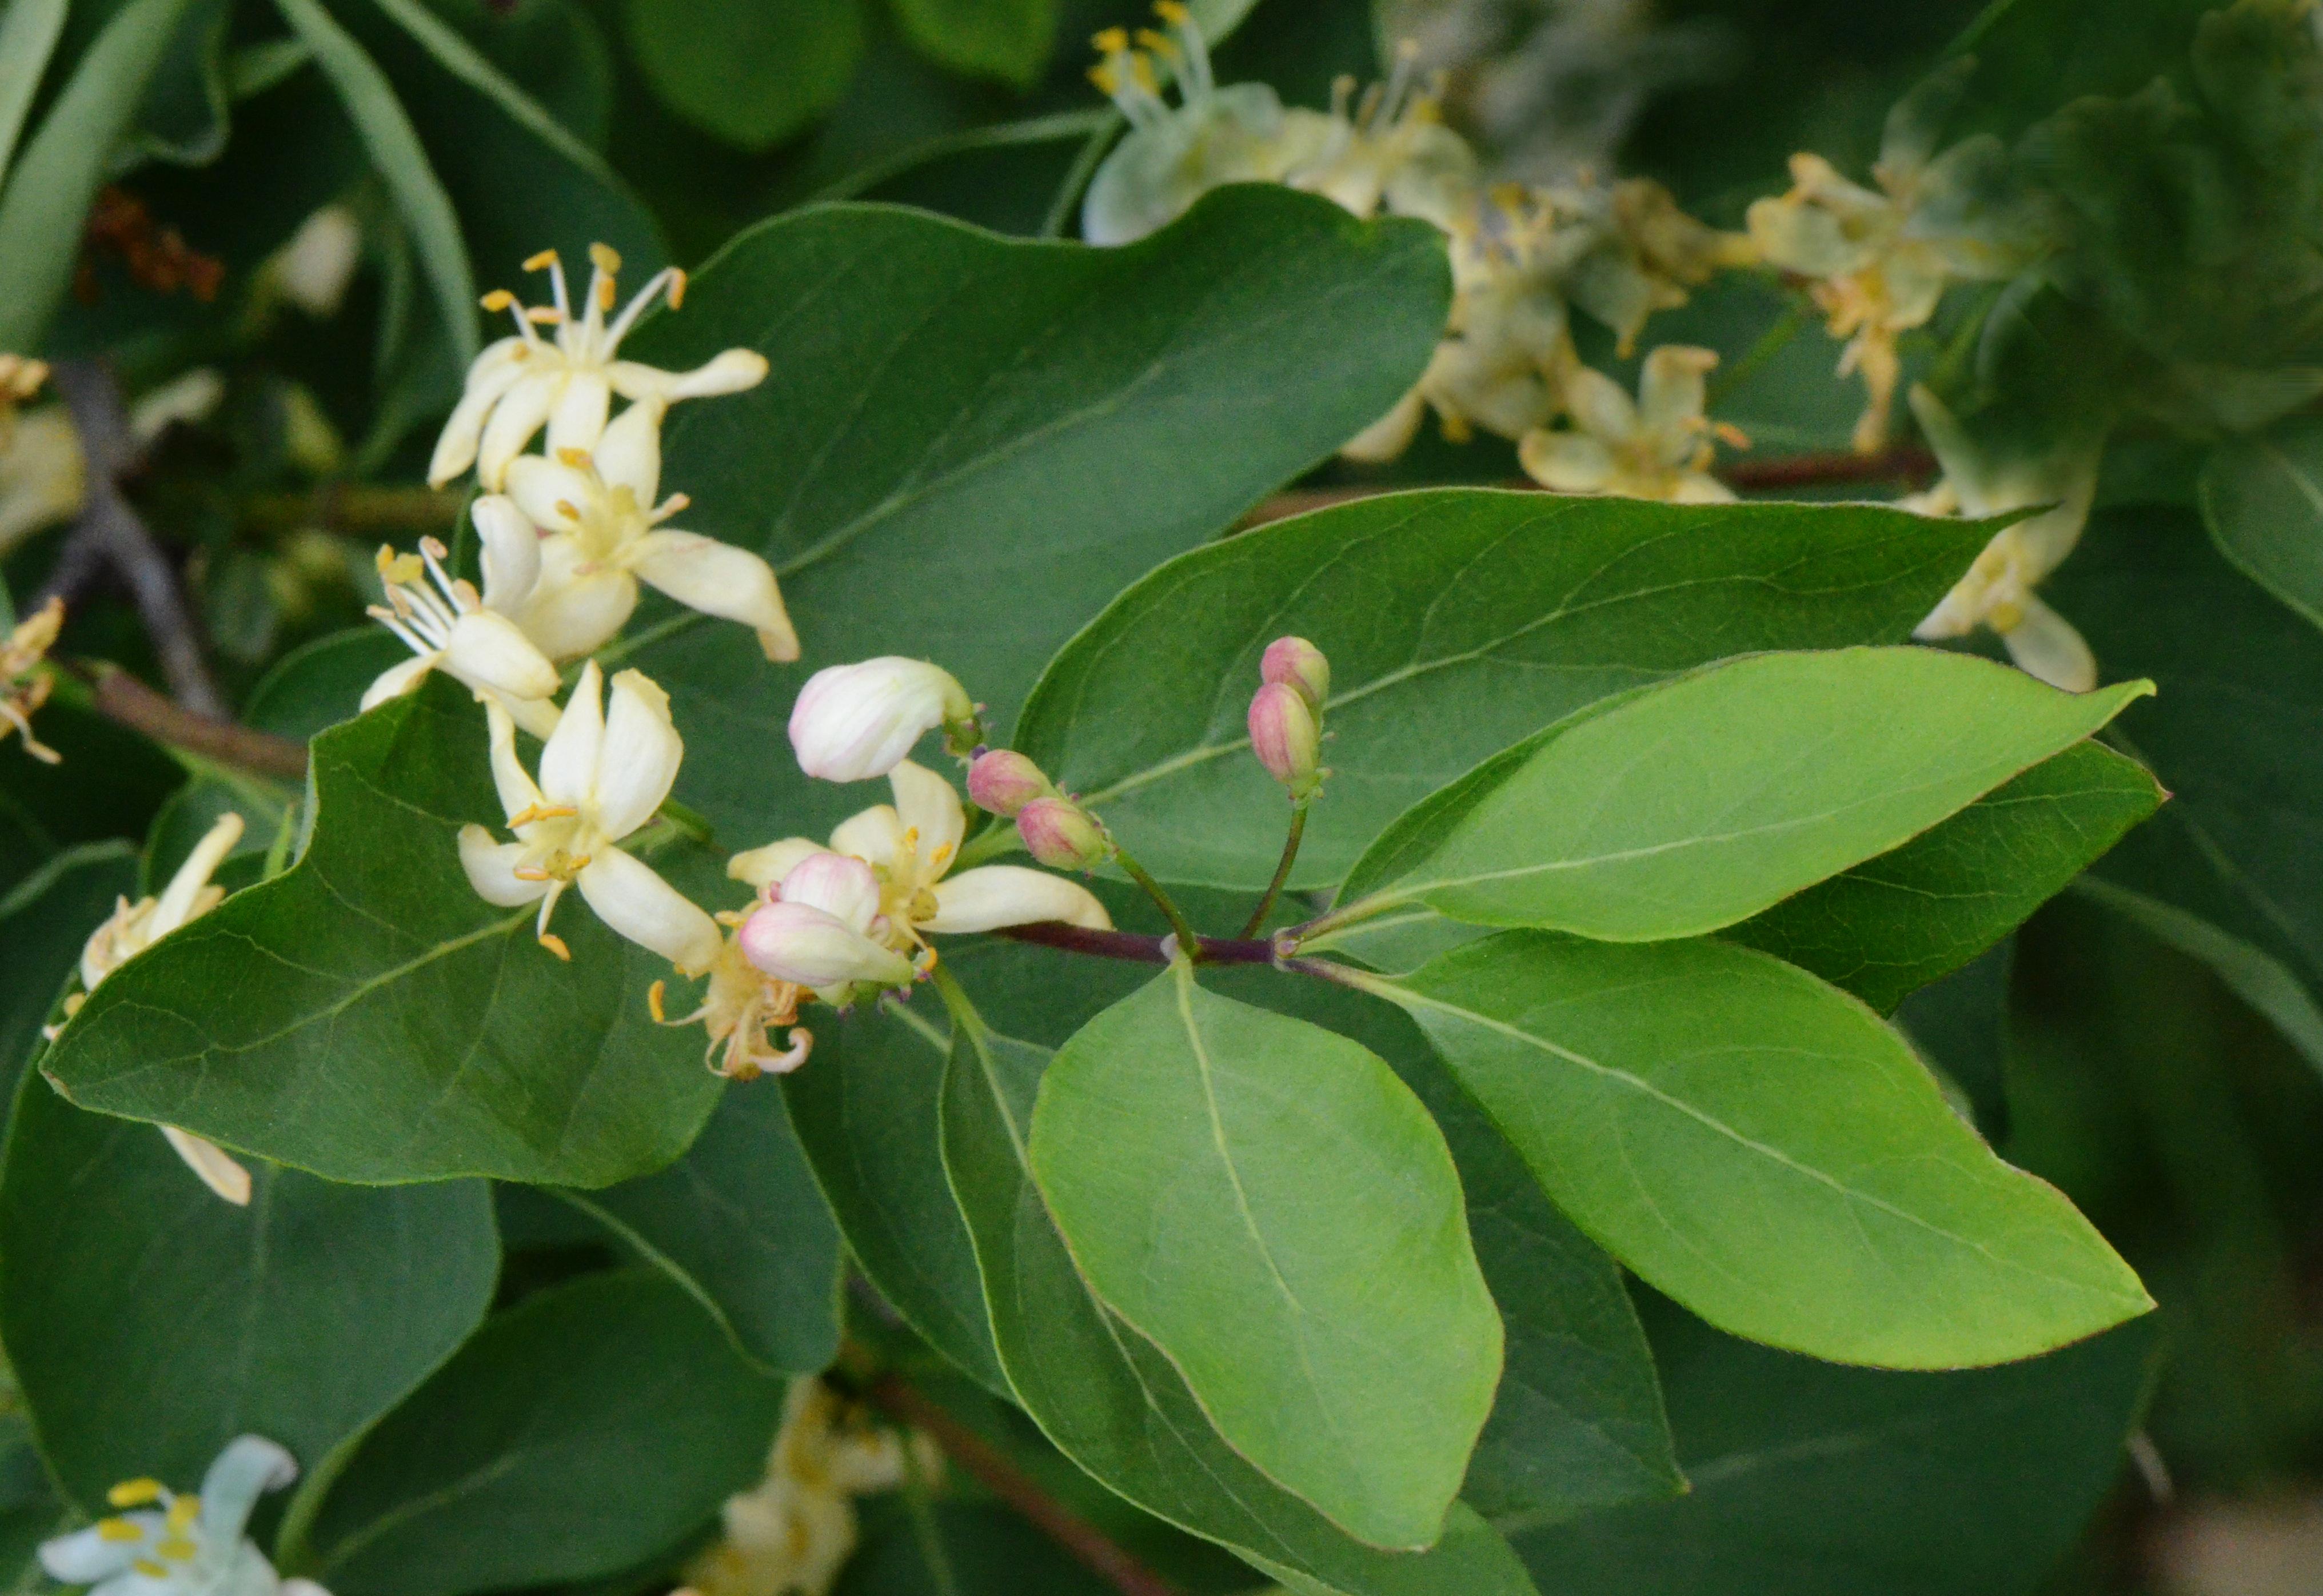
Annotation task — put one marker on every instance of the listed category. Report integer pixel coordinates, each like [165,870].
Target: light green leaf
[1764,1149]
[44,920]
[751,75]
[2262,500]
[1266,1201]
[1896,922]
[50,188]
[28,36]
[867,1112]
[968,444]
[401,161]
[149,1323]
[1109,1399]
[580,1433]
[739,1222]
[366,1016]
[1687,807]
[1010,40]
[1456,621]
[1814,1481]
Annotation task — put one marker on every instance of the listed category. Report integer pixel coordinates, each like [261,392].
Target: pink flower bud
[1003,781]
[814,948]
[1062,835]
[1294,662]
[854,722]
[840,885]
[1286,739]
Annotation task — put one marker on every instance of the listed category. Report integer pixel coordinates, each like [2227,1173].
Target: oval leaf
[1266,1201]
[1764,1149]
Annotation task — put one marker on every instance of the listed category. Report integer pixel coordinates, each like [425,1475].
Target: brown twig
[119,696]
[1087,1544]
[109,533]
[356,510]
[1139,949]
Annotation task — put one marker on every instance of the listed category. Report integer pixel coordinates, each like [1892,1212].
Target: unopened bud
[854,722]
[1294,662]
[1062,835]
[1286,739]
[1003,781]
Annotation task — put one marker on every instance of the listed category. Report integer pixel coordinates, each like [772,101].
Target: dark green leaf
[1264,1200]
[1010,40]
[109,786]
[2262,500]
[576,1435]
[1763,1149]
[28,36]
[739,1223]
[1457,623]
[149,1322]
[368,1017]
[44,921]
[751,75]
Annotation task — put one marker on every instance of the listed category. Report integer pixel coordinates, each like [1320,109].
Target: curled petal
[490,653]
[547,491]
[518,415]
[491,869]
[495,372]
[875,835]
[642,907]
[994,896]
[802,943]
[249,1466]
[641,755]
[719,579]
[569,761]
[86,1557]
[511,552]
[217,1168]
[762,868]
[180,900]
[629,453]
[398,680]
[577,420]
[1568,462]
[731,372]
[928,804]
[572,612]
[514,784]
[2045,645]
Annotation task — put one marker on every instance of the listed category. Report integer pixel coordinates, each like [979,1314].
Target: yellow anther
[531,873]
[2007,616]
[544,316]
[177,1549]
[605,295]
[134,1493]
[395,569]
[118,1530]
[1141,67]
[1732,435]
[555,944]
[578,459]
[1107,80]
[498,300]
[542,812]
[150,1569]
[676,288]
[1112,40]
[1173,12]
[653,1002]
[604,259]
[568,509]
[182,1514]
[541,261]
[938,858]
[1161,44]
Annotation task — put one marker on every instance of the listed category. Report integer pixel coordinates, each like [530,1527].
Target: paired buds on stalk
[1055,830]
[1286,730]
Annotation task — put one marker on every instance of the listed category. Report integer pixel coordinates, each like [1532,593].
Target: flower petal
[926,803]
[840,887]
[994,896]
[719,579]
[571,612]
[641,755]
[641,906]
[577,420]
[629,453]
[511,780]
[569,760]
[1599,407]
[217,1168]
[491,869]
[549,491]
[763,867]
[184,889]
[1672,387]
[518,416]
[492,374]
[398,680]
[1568,462]
[510,552]
[490,653]
[729,372]
[249,1466]
[800,942]
[2045,645]
[874,835]
[84,1556]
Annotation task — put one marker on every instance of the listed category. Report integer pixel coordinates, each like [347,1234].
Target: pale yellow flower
[1657,448]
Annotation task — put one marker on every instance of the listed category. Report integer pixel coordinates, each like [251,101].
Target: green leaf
[366,1016]
[1109,1399]
[149,1323]
[866,1111]
[2262,499]
[1764,1149]
[1896,922]
[739,1223]
[751,75]
[28,36]
[400,159]
[1010,40]
[109,786]
[320,684]
[1456,621]
[577,1434]
[1814,1481]
[50,188]
[45,921]
[1266,1201]
[184,117]
[968,444]
[1685,807]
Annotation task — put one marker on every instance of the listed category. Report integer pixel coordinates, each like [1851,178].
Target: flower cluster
[158,1543]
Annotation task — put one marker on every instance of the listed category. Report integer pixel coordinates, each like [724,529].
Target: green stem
[1189,941]
[956,999]
[1281,869]
[924,1527]
[690,821]
[1338,918]
[1770,343]
[1077,176]
[996,841]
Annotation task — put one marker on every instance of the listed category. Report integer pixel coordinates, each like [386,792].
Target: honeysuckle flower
[1390,150]
[606,535]
[519,384]
[1657,448]
[162,1543]
[1880,259]
[1175,155]
[603,774]
[24,684]
[1635,252]
[1999,590]
[854,721]
[449,627]
[135,927]
[791,1534]
[861,909]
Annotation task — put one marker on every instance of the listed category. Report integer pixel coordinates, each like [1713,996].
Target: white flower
[741,1009]
[607,536]
[854,911]
[1997,590]
[602,775]
[1175,155]
[132,929]
[1658,447]
[168,1545]
[1392,150]
[314,268]
[470,636]
[854,721]
[519,384]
